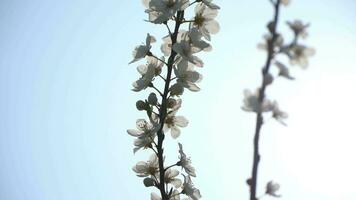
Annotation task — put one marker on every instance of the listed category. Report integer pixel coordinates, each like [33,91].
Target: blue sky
[66,102]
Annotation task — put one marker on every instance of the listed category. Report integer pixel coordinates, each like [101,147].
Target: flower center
[152,170]
[170,3]
[199,20]
[169,120]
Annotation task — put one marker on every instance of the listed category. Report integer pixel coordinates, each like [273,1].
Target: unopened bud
[152,99]
[149,182]
[268,79]
[140,105]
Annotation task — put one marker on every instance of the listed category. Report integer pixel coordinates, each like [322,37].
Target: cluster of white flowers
[176,68]
[257,102]
[298,55]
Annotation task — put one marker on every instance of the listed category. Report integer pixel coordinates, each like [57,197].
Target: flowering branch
[178,48]
[259,118]
[257,102]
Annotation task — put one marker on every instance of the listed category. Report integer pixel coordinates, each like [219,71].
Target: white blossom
[145,134]
[149,168]
[142,50]
[283,70]
[172,124]
[272,188]
[185,162]
[278,114]
[189,189]
[170,177]
[210,4]
[160,11]
[193,36]
[299,28]
[148,72]
[252,104]
[204,20]
[186,76]
[155,196]
[299,54]
[186,50]
[175,195]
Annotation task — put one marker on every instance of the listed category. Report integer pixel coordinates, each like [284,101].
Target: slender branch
[188,21]
[193,3]
[163,110]
[162,77]
[259,118]
[159,59]
[154,150]
[169,30]
[170,166]
[152,86]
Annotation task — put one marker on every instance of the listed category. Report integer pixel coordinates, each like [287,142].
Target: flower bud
[152,99]
[268,79]
[149,182]
[272,188]
[271,26]
[140,105]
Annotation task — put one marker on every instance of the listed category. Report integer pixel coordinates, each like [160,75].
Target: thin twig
[162,77]
[152,86]
[159,59]
[170,167]
[259,118]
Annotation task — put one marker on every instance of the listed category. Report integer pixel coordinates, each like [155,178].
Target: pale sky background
[66,103]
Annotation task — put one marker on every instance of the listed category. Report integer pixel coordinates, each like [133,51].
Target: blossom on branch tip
[193,37]
[149,168]
[299,54]
[252,104]
[299,28]
[142,50]
[209,4]
[170,177]
[278,114]
[283,70]
[204,20]
[160,11]
[145,133]
[185,162]
[186,50]
[189,189]
[172,124]
[186,76]
[148,72]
